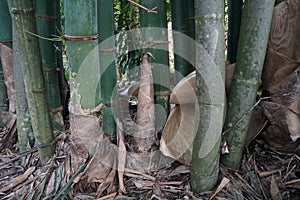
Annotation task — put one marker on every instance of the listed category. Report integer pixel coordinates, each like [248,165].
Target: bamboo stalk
[234,24]
[25,132]
[255,28]
[22,13]
[63,85]
[157,42]
[210,91]
[46,27]
[182,21]
[83,55]
[108,81]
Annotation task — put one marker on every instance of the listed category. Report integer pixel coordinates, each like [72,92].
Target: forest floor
[263,174]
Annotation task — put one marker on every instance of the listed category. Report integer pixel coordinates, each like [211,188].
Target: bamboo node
[48,69]
[213,16]
[39,90]
[243,80]
[43,146]
[49,18]
[23,11]
[107,51]
[148,44]
[57,110]
[6,42]
[80,38]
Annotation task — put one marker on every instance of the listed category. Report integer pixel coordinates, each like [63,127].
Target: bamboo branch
[153,10]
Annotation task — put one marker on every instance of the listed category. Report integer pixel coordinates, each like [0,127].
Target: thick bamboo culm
[183,21]
[255,29]
[108,79]
[45,14]
[234,23]
[22,13]
[24,128]
[210,91]
[154,34]
[81,33]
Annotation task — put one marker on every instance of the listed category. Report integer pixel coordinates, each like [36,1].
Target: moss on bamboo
[22,13]
[255,28]
[210,94]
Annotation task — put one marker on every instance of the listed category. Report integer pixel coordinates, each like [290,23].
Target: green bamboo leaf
[63,192]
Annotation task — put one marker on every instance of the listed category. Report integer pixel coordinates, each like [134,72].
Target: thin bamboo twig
[154,10]
[245,114]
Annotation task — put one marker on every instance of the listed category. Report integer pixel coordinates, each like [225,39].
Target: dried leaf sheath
[145,137]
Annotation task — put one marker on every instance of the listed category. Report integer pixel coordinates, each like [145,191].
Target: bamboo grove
[102,40]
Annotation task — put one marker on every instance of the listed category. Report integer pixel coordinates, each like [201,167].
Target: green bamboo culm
[108,81]
[63,85]
[81,34]
[183,21]
[5,38]
[234,23]
[190,15]
[22,13]
[25,132]
[158,40]
[210,91]
[78,24]
[255,28]
[6,26]
[45,14]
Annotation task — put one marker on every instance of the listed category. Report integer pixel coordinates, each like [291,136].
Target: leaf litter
[270,168]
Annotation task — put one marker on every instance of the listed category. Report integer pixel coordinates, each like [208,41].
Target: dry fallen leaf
[274,190]
[287,91]
[225,181]
[18,180]
[282,120]
[285,29]
[277,67]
